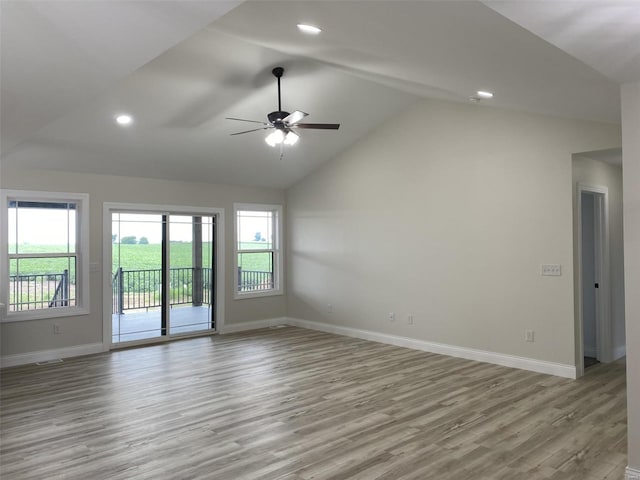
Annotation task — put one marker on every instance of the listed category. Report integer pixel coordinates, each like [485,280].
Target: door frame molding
[220,252]
[603,274]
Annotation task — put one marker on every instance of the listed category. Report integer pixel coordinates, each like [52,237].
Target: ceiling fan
[284,124]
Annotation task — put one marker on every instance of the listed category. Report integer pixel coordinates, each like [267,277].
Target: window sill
[43,314]
[268,293]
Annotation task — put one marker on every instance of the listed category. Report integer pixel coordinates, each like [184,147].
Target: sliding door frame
[219,262]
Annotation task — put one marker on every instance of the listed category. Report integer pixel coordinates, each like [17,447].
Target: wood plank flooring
[294,404]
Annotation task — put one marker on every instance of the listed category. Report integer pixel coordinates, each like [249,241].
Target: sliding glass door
[190,273]
[162,275]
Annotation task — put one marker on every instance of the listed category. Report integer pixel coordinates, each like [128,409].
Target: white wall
[446,213]
[37,335]
[631,164]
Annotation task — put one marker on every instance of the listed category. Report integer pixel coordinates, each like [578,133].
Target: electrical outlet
[410,319]
[392,317]
[56,329]
[330,308]
[529,335]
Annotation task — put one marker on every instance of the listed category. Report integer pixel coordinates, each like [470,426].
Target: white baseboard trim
[619,352]
[253,325]
[540,366]
[632,474]
[45,355]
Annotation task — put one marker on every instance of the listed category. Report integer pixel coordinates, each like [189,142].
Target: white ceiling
[603,34]
[181,67]
[58,54]
[610,155]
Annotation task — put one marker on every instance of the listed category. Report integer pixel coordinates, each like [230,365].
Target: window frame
[277,250]
[82,306]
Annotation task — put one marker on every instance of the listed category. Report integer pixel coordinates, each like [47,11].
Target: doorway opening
[163,274]
[593,290]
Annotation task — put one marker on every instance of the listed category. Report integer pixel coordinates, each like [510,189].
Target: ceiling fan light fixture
[309,29]
[275,138]
[291,138]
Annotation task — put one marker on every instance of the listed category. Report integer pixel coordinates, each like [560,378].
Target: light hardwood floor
[294,404]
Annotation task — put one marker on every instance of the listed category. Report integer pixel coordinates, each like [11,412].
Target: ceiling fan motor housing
[276,117]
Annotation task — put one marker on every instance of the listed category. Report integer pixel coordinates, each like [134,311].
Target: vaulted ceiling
[180,67]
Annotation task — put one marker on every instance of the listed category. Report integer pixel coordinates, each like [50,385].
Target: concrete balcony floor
[144,324]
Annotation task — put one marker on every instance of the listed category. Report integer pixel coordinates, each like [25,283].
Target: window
[44,244]
[258,250]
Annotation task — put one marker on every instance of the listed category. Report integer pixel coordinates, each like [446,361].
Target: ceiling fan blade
[294,117]
[320,126]
[245,120]
[254,130]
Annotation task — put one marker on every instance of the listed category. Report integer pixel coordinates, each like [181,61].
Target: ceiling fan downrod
[276,117]
[277,72]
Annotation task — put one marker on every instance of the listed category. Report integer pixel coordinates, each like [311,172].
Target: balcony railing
[132,289]
[40,291]
[253,280]
[136,289]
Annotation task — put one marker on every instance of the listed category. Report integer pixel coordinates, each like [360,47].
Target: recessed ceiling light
[484,94]
[303,27]
[124,119]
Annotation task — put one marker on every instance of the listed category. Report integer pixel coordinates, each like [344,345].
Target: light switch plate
[551,269]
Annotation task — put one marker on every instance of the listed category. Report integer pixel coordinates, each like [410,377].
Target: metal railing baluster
[131,289]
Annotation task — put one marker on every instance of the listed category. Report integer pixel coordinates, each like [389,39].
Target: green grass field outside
[136,257]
